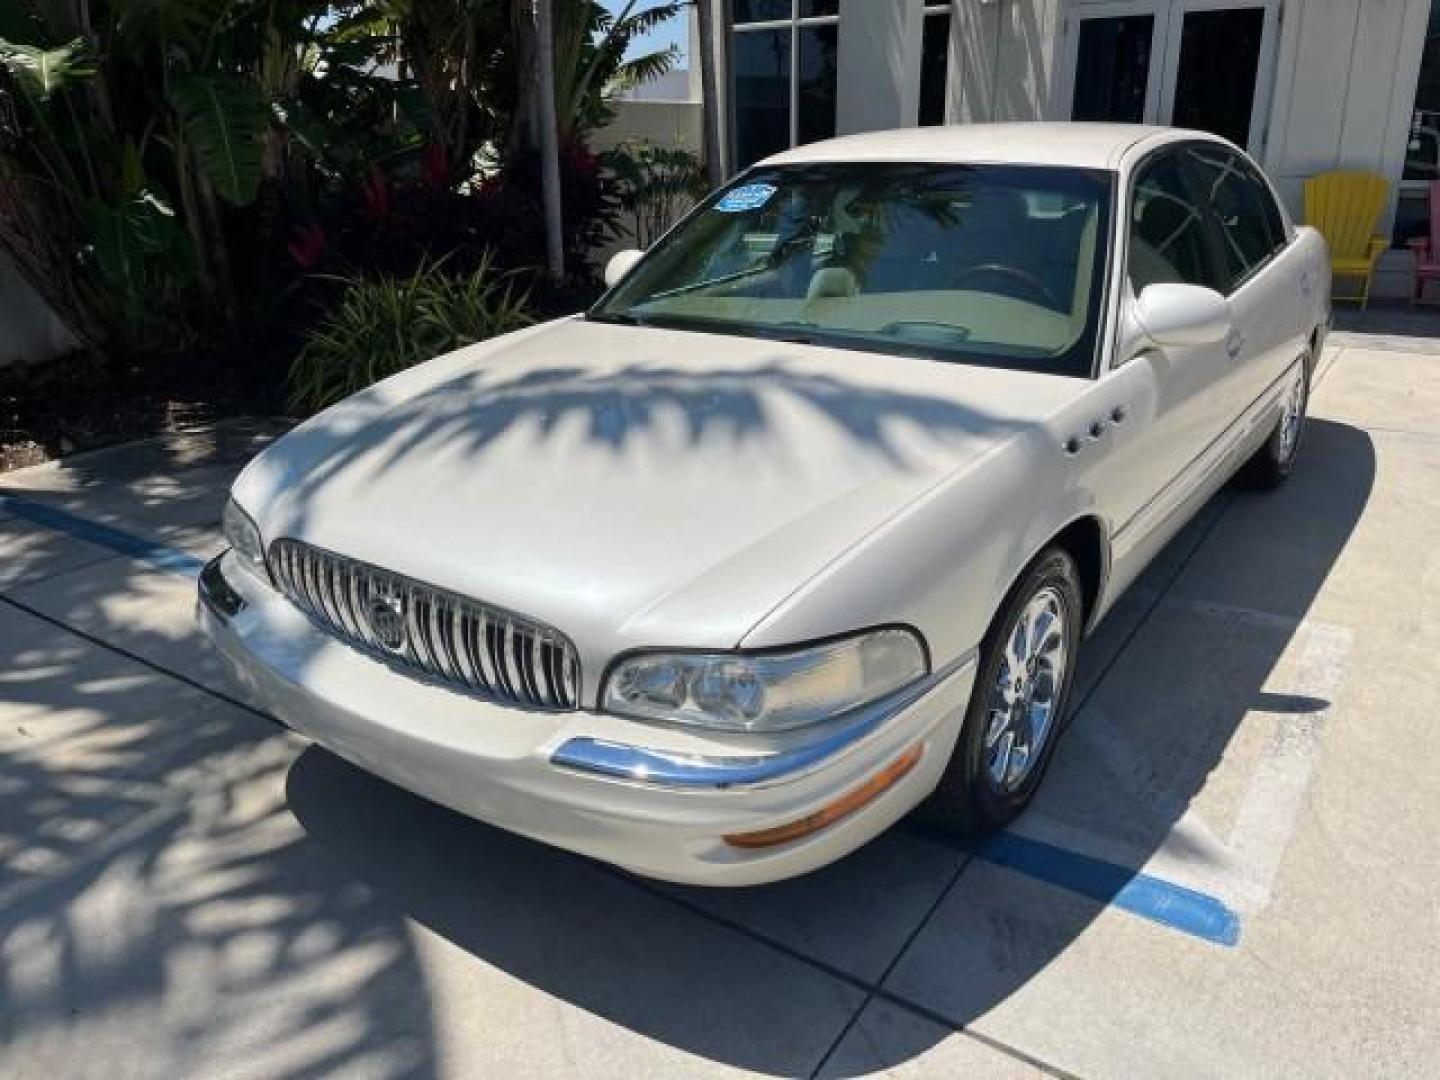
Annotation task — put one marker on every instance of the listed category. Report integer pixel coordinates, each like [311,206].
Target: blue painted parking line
[160,556]
[1160,901]
[1163,902]
[1173,906]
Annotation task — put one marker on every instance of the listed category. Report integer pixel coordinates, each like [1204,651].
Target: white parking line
[1239,869]
[1271,808]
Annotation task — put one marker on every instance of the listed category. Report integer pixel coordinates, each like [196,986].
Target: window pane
[934,67]
[762,94]
[818,52]
[743,11]
[1167,230]
[819,7]
[1112,70]
[1212,42]
[1422,154]
[1244,209]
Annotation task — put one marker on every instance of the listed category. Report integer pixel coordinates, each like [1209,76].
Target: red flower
[308,247]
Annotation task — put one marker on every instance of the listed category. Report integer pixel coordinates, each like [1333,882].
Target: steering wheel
[1038,288]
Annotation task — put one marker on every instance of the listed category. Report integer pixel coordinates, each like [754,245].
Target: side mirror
[619,265]
[1175,314]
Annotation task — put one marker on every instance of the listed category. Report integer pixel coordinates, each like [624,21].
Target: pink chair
[1427,249]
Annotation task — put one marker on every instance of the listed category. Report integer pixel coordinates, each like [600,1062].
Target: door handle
[1234,344]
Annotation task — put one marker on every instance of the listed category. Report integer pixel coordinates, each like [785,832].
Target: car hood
[634,486]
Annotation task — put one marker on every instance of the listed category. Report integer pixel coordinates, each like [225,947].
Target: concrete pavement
[1232,869]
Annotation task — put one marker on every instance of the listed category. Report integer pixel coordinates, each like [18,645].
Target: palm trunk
[190,213]
[549,138]
[710,94]
[460,155]
[215,224]
[523,124]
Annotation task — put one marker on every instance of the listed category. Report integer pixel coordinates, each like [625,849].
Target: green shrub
[656,185]
[383,325]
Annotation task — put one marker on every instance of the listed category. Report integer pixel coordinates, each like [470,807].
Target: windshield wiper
[723,279]
[793,333]
[622,318]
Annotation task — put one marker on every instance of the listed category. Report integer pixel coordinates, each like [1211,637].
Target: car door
[1260,271]
[1174,396]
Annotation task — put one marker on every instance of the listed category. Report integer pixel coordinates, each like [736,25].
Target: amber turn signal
[827,815]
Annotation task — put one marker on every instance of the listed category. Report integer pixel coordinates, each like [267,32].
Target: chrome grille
[475,647]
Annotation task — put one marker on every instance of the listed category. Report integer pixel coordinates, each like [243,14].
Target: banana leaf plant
[138,136]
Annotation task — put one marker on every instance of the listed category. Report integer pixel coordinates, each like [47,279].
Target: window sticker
[746,197]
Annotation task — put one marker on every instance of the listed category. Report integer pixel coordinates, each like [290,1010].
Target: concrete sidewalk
[1232,869]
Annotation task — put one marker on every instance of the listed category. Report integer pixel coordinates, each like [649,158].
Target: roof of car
[1082,145]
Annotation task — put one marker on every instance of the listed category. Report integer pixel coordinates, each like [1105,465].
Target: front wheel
[1273,463]
[1022,688]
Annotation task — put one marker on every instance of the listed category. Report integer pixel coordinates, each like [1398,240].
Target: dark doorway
[1219,62]
[1112,68]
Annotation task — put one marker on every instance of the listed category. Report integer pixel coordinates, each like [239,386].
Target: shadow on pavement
[1173,681]
[163,915]
[161,912]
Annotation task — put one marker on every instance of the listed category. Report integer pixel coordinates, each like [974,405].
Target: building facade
[1305,85]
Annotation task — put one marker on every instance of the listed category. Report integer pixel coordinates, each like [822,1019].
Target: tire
[970,798]
[1272,464]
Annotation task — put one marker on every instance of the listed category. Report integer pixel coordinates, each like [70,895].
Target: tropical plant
[136,135]
[591,62]
[656,184]
[459,54]
[175,171]
[474,61]
[385,324]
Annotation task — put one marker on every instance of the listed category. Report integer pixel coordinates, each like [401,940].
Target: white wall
[30,332]
[665,123]
[1345,88]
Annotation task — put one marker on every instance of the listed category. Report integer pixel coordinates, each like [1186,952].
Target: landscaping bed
[78,403]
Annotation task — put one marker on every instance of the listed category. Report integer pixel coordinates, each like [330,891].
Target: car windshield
[998,265]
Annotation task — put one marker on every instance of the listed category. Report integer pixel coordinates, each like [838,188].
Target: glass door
[1113,69]
[1219,67]
[1205,64]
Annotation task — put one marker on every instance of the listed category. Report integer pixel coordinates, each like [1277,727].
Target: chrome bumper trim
[216,593]
[667,768]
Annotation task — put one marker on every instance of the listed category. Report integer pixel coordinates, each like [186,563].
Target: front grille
[475,647]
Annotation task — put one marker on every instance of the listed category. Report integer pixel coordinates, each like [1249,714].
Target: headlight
[242,535]
[765,692]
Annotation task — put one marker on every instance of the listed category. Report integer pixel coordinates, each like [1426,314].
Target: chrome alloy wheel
[1023,699]
[1292,420]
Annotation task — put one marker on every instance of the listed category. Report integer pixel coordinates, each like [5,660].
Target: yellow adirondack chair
[1345,207]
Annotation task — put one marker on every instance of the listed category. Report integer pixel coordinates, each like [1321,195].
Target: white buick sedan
[800,527]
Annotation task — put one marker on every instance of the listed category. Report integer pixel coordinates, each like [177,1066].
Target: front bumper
[652,799]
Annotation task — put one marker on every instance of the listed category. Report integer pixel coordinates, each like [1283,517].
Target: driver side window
[1168,241]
